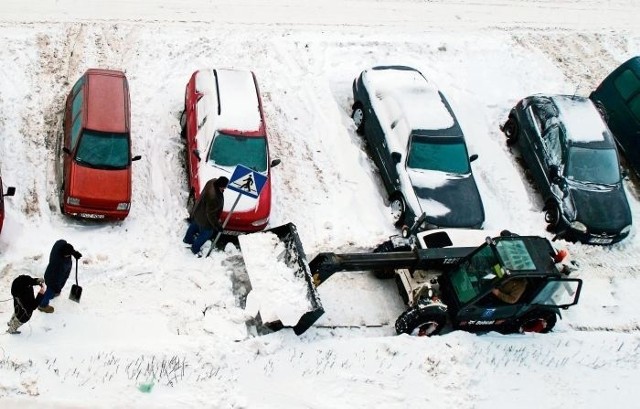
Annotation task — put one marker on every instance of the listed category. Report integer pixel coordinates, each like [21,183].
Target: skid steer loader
[446,277]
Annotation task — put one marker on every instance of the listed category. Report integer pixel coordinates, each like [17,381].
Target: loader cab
[469,290]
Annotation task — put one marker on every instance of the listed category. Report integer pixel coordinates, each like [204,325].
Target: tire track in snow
[597,53]
[43,130]
[342,184]
[290,132]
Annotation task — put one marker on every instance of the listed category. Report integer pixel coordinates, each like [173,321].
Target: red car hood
[100,185]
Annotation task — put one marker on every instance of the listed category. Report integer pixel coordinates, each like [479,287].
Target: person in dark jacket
[24,302]
[57,272]
[205,218]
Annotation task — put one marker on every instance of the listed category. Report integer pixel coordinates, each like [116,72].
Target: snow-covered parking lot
[154,318]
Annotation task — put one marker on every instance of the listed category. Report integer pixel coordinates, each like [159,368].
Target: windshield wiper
[597,185]
[85,163]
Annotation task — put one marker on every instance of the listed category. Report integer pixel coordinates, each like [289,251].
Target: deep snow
[152,313]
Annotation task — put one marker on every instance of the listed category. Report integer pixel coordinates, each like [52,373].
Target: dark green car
[618,99]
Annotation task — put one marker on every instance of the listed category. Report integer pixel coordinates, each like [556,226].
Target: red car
[95,163]
[10,192]
[223,124]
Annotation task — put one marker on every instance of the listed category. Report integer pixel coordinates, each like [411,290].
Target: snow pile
[278,292]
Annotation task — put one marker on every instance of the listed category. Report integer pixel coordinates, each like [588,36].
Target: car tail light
[74,201]
[123,206]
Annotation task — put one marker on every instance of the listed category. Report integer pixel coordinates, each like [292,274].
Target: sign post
[246,182]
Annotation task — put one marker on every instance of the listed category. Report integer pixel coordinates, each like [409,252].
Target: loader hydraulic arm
[324,265]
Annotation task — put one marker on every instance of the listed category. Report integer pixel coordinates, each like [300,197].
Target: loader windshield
[514,254]
[476,275]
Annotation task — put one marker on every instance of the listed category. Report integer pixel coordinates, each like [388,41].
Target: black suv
[572,158]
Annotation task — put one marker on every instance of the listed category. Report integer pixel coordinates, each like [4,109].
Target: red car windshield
[103,150]
[232,150]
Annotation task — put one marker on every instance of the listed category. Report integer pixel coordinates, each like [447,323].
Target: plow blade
[282,290]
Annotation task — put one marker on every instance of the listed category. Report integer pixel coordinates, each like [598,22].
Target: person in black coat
[205,218]
[24,302]
[57,272]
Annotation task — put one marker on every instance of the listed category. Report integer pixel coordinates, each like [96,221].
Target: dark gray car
[415,140]
[572,158]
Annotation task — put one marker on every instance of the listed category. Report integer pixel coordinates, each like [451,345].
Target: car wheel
[61,199]
[191,201]
[538,321]
[183,125]
[358,118]
[398,209]
[552,215]
[510,130]
[421,322]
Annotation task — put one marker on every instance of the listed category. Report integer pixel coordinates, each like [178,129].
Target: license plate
[600,240]
[91,216]
[232,232]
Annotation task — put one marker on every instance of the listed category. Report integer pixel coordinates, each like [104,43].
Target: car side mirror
[473,157]
[396,157]
[137,157]
[197,153]
[66,150]
[10,191]
[561,182]
[275,162]
[623,173]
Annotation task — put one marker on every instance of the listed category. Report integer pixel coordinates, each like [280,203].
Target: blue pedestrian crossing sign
[246,181]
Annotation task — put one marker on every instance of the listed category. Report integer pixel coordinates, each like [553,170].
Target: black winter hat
[222,181]
[67,249]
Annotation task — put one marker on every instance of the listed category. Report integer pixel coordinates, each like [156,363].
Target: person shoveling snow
[24,302]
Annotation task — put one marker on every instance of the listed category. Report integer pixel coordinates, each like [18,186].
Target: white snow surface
[154,318]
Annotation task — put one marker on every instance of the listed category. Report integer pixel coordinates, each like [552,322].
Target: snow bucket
[282,290]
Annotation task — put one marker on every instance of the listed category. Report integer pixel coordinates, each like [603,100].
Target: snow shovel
[76,290]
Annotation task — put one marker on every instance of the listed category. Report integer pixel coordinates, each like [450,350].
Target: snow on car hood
[430,180]
[449,200]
